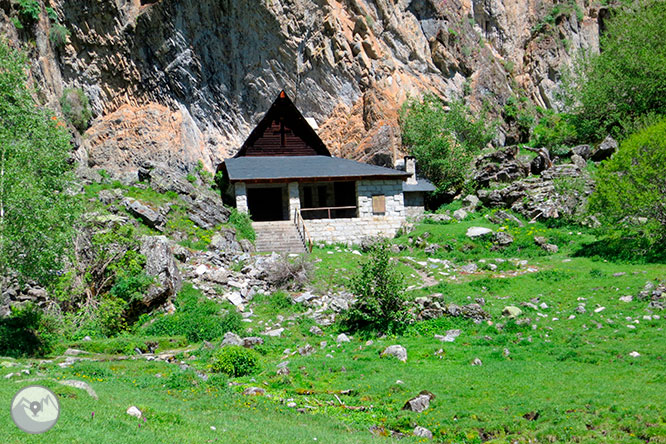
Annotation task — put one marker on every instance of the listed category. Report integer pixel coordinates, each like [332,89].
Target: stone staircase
[280,236]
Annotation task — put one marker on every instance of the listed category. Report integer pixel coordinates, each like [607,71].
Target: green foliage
[632,184]
[205,175]
[519,110]
[29,11]
[76,108]
[627,79]
[22,334]
[443,142]
[37,207]
[235,361]
[379,288]
[548,23]
[191,178]
[243,225]
[196,318]
[58,35]
[554,131]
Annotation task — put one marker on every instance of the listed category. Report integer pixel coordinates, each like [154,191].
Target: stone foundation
[352,229]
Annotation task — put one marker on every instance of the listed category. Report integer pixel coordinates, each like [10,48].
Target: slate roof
[423,185]
[285,168]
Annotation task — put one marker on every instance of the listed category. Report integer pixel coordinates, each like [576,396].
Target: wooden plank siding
[279,140]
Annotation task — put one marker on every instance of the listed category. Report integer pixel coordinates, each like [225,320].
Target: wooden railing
[303,231]
[328,209]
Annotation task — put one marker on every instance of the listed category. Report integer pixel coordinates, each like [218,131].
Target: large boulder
[225,241]
[146,213]
[397,351]
[474,232]
[161,264]
[605,149]
[500,166]
[584,151]
[163,179]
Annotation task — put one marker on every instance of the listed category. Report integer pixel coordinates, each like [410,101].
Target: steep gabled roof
[283,131]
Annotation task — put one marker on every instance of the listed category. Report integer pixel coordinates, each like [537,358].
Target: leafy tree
[442,141]
[379,289]
[632,185]
[37,206]
[627,79]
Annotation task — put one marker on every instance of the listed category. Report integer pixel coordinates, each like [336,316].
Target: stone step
[278,236]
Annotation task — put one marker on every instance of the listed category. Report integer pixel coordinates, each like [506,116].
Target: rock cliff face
[177,81]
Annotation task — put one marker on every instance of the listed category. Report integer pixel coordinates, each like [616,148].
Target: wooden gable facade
[283,131]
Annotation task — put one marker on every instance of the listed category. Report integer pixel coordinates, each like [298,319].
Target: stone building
[284,172]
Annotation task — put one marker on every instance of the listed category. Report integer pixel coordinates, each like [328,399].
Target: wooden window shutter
[378,204]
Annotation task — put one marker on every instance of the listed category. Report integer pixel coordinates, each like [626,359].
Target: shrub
[76,108]
[58,35]
[235,361]
[627,79]
[632,185]
[22,334]
[554,131]
[379,288]
[243,225]
[285,272]
[196,318]
[29,11]
[443,142]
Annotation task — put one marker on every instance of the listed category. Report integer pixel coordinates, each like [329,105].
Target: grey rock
[231,338]
[342,338]
[584,151]
[134,411]
[252,341]
[420,402]
[439,217]
[81,385]
[450,336]
[477,361]
[160,264]
[207,211]
[469,268]
[107,197]
[147,214]
[460,214]
[274,333]
[306,350]
[470,202]
[475,232]
[316,330]
[578,161]
[500,217]
[254,391]
[397,351]
[605,149]
[224,240]
[422,432]
[502,238]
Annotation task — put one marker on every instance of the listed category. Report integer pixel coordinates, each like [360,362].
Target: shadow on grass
[631,249]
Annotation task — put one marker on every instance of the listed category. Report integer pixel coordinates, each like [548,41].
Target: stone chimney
[410,167]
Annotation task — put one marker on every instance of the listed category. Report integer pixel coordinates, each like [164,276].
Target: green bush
[76,108]
[627,79]
[235,361]
[58,35]
[22,334]
[379,288]
[196,318]
[443,142]
[554,131]
[632,185]
[243,225]
[29,11]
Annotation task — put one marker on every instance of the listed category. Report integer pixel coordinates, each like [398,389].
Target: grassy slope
[579,378]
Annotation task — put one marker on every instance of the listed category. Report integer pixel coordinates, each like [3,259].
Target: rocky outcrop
[160,264]
[178,82]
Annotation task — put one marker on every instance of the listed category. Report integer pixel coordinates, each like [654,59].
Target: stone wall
[367,224]
[414,204]
[391,189]
[352,229]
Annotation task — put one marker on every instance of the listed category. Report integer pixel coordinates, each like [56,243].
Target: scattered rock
[276,333]
[511,311]
[422,432]
[254,391]
[469,268]
[578,161]
[584,151]
[420,402]
[460,214]
[634,354]
[502,238]
[474,232]
[477,361]
[450,336]
[398,351]
[85,386]
[306,350]
[231,338]
[501,217]
[627,298]
[207,210]
[134,411]
[160,264]
[252,341]
[316,331]
[470,202]
[342,338]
